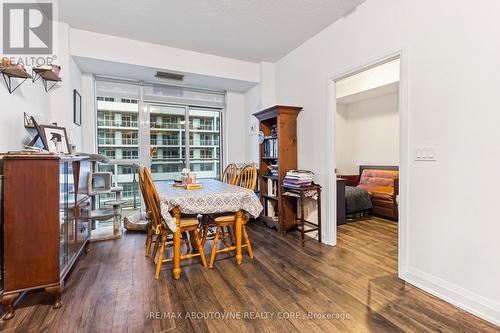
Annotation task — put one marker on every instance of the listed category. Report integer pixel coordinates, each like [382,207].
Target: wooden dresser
[45,205]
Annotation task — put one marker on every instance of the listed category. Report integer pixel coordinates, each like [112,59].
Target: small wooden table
[309,191]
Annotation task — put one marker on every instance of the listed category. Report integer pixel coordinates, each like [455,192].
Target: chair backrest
[230,175]
[140,172]
[142,185]
[153,199]
[248,177]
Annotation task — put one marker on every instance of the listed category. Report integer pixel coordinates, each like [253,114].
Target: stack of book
[298,178]
[273,169]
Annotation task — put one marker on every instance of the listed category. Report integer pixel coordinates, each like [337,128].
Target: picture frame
[77,108]
[29,121]
[51,135]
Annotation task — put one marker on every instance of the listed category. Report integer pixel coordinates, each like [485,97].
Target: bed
[380,183]
[357,200]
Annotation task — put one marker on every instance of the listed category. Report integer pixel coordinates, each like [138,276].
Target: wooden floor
[350,288]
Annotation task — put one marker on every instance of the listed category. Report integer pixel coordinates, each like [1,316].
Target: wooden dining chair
[151,229]
[152,238]
[184,224]
[230,174]
[247,179]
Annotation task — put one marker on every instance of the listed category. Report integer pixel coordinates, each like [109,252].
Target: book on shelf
[272,187]
[271,212]
[271,147]
[273,170]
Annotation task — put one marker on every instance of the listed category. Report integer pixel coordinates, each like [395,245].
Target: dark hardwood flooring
[350,288]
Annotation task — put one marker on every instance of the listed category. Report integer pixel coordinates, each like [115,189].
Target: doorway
[368,121]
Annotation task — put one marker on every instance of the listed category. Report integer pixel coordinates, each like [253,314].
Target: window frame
[145,127]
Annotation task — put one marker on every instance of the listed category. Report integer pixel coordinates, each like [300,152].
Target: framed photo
[55,139]
[29,121]
[77,108]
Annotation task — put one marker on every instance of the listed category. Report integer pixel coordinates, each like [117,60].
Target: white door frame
[404,154]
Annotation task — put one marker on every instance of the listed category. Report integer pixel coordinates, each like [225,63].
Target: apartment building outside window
[180,135]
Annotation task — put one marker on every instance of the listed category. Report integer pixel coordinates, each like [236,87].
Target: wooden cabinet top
[274,111]
[42,157]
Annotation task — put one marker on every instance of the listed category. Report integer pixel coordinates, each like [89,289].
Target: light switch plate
[425,154]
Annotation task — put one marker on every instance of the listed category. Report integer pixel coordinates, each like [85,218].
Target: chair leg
[155,248]
[205,235]
[159,262]
[230,232]
[192,240]
[200,248]
[148,241]
[184,236]
[214,248]
[247,241]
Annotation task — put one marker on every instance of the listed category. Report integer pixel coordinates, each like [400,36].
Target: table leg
[302,231]
[237,232]
[117,210]
[319,214]
[176,272]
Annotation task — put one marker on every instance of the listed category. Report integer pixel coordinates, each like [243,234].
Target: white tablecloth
[214,197]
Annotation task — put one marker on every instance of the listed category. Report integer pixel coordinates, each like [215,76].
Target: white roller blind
[117,89]
[183,95]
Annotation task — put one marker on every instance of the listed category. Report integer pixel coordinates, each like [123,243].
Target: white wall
[30,98]
[89,116]
[252,104]
[62,95]
[47,107]
[452,51]
[235,128]
[367,133]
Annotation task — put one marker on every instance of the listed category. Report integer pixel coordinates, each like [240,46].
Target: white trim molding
[475,304]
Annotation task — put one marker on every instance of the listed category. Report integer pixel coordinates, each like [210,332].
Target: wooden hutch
[46,224]
[279,153]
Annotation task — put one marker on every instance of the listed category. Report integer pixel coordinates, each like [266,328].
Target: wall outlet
[425,154]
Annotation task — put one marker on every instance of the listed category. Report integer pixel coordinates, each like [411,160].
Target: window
[204,140]
[180,135]
[118,134]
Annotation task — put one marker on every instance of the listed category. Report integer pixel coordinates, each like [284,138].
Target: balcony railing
[203,127]
[203,157]
[155,124]
[122,142]
[164,142]
[112,123]
[204,143]
[166,157]
[130,157]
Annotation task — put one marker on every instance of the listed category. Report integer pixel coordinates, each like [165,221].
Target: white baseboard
[477,305]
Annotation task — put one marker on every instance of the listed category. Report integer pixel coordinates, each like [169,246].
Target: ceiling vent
[169,76]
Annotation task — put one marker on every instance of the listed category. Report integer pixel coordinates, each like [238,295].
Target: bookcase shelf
[279,124]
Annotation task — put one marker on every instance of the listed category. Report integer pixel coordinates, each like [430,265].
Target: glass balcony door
[204,142]
[167,142]
[184,137]
[118,137]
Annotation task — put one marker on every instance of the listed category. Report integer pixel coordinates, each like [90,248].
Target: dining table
[214,197]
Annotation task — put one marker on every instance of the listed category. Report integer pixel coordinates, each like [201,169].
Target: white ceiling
[383,90]
[252,30]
